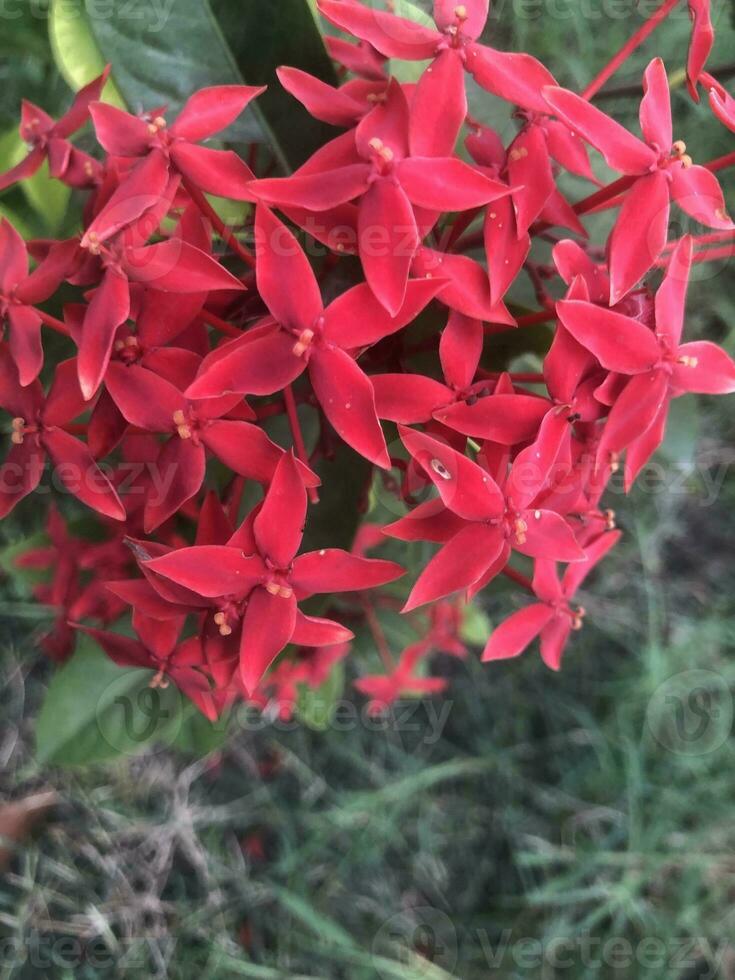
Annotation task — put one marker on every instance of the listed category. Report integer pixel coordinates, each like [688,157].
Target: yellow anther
[119,345]
[93,243]
[131,341]
[460,12]
[690,362]
[679,147]
[285,592]
[219,618]
[272,588]
[159,122]
[179,417]
[88,168]
[225,630]
[686,161]
[159,680]
[184,431]
[304,341]
[609,519]
[518,153]
[376,144]
[614,462]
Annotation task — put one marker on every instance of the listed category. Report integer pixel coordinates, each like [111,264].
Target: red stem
[721,162]
[218,224]
[516,577]
[50,321]
[378,635]
[628,48]
[543,316]
[219,324]
[298,439]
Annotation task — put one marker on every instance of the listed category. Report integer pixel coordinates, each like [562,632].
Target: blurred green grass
[591,809]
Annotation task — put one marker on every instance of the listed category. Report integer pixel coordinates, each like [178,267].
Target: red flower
[659,366]
[662,169]
[38,431]
[553,618]
[302,334]
[50,140]
[392,177]
[403,681]
[477,521]
[259,569]
[206,113]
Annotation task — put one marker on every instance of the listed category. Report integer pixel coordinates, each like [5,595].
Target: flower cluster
[187,336]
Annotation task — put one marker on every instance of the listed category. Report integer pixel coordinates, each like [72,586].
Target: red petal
[78,112]
[447,184]
[211,110]
[619,342]
[109,308]
[514,634]
[594,553]
[408,398]
[346,396]
[27,167]
[514,76]
[395,37]
[267,627]
[457,565]
[179,474]
[634,410]
[334,570]
[697,191]
[460,348]
[671,295]
[119,132]
[429,521]
[315,191]
[64,401]
[464,486]
[322,101]
[655,110]
[177,267]
[357,318]
[507,419]
[529,170]
[700,43]
[548,536]
[244,448]
[25,341]
[467,287]
[213,170]
[438,107]
[388,239]
[710,371]
[13,257]
[621,150]
[311,631]
[506,251]
[248,366]
[140,191]
[568,149]
[210,570]
[279,526]
[282,260]
[554,637]
[639,235]
[534,465]
[80,475]
[145,399]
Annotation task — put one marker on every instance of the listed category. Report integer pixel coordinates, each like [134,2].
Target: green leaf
[94,711]
[315,706]
[476,625]
[264,36]
[75,49]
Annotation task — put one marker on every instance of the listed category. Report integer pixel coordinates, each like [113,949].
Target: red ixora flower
[37,431]
[49,140]
[659,365]
[260,578]
[382,167]
[302,335]
[661,168]
[553,617]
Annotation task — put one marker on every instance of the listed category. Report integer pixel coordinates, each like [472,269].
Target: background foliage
[592,807]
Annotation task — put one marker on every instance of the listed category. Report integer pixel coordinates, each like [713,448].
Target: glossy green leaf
[75,49]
